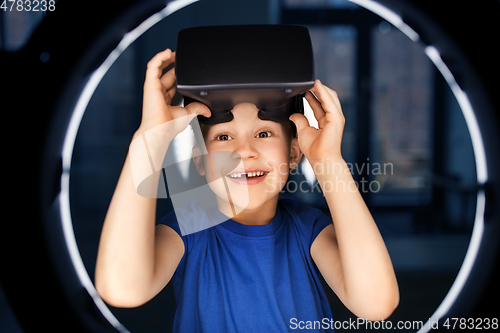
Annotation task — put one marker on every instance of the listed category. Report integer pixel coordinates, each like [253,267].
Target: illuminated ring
[58,240]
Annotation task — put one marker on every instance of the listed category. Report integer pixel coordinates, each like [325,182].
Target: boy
[258,270]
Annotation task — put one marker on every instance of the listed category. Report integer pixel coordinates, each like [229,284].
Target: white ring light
[482,177]
[172,7]
[479,155]
[69,142]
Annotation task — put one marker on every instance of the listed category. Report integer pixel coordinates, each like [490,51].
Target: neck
[261,215]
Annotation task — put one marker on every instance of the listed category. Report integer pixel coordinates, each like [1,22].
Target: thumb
[199,109]
[300,121]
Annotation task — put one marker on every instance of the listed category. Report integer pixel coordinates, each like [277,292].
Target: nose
[246,149]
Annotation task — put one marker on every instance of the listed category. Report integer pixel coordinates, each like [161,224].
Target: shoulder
[190,222]
[301,210]
[190,219]
[308,221]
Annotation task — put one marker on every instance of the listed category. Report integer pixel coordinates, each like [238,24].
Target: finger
[199,109]
[326,97]
[300,121]
[158,63]
[168,79]
[170,93]
[335,97]
[318,111]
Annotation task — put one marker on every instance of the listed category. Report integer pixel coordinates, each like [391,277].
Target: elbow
[383,310]
[120,298]
[380,308]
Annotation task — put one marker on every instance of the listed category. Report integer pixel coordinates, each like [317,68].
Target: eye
[264,134]
[223,137]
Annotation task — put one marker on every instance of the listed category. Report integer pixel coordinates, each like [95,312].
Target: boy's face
[260,147]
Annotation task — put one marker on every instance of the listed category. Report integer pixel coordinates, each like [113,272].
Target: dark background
[398,108]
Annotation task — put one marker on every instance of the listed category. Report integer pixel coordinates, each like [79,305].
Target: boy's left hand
[325,142]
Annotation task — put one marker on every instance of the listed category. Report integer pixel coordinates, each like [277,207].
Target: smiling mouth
[247,175]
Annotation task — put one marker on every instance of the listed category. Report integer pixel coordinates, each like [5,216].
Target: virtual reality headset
[270,66]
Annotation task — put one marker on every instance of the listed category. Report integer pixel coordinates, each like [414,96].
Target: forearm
[368,275]
[126,256]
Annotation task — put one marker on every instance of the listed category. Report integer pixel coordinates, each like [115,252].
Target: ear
[198,160]
[295,154]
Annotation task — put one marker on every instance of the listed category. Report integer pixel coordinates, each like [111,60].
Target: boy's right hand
[160,123]
[158,93]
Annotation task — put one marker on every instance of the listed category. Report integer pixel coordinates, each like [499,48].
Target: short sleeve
[189,222]
[319,224]
[309,221]
[170,220]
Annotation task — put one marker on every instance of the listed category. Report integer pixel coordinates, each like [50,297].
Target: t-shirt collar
[254,230]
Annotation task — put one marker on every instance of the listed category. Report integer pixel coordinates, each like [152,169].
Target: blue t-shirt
[249,278]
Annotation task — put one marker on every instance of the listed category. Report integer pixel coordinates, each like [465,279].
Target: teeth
[248,175]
